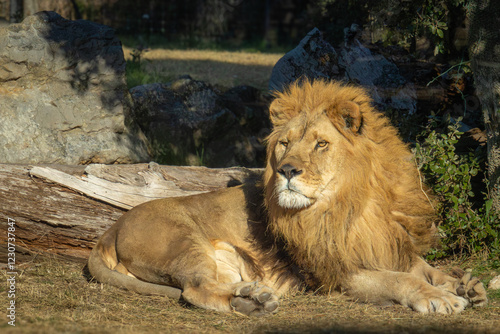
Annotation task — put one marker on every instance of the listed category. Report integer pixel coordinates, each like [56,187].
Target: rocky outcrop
[313,58]
[316,58]
[63,93]
[191,122]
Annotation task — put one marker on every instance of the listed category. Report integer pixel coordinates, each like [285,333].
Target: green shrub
[405,21]
[468,225]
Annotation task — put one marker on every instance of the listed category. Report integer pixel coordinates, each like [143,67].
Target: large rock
[191,122]
[63,93]
[313,58]
[316,58]
[388,88]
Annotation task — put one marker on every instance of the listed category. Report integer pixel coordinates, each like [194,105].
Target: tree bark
[484,39]
[63,210]
[16,11]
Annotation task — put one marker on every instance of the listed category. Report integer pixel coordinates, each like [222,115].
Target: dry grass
[54,296]
[224,68]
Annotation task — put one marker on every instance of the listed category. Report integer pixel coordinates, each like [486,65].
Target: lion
[341,208]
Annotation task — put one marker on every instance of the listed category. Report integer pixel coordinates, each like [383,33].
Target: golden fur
[381,216]
[342,208]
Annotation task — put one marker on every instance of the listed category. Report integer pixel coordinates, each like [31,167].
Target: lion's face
[309,146]
[309,158]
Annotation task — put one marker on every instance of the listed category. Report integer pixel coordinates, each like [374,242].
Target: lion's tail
[102,273]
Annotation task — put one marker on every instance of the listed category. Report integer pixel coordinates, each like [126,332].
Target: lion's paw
[472,289]
[444,304]
[254,299]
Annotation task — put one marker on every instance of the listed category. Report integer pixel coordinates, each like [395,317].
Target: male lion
[342,208]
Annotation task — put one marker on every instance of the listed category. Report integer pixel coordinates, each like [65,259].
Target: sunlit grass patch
[224,68]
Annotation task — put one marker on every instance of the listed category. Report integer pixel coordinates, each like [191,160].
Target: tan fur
[342,208]
[380,218]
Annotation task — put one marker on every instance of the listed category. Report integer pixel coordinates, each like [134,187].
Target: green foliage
[409,20]
[493,294]
[432,17]
[468,227]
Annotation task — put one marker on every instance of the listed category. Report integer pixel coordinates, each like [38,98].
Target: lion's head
[341,188]
[318,128]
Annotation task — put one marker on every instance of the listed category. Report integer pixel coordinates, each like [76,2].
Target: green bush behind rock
[469,225]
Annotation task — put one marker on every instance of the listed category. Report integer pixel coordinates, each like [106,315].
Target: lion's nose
[289,171]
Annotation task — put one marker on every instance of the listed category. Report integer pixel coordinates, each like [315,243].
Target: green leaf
[487,206]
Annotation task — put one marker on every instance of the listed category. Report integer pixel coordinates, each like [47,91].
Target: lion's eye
[322,143]
[284,143]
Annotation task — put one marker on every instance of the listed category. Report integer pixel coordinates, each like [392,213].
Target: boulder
[388,88]
[316,58]
[190,122]
[63,94]
[313,58]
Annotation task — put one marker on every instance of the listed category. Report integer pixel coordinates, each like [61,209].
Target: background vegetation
[468,224]
[264,24]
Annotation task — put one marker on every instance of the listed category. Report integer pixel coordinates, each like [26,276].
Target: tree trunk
[63,210]
[16,11]
[484,41]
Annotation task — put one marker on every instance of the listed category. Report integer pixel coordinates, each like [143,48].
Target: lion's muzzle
[289,171]
[288,187]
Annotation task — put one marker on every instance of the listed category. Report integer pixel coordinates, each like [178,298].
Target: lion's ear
[351,114]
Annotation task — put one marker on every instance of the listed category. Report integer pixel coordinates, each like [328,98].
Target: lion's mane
[380,218]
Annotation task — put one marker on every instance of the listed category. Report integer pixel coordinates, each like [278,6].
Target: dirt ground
[54,296]
[223,68]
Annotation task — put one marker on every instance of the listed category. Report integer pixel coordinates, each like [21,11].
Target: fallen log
[63,210]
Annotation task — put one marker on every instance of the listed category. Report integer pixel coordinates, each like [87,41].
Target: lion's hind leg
[224,280]
[465,285]
[248,298]
[253,298]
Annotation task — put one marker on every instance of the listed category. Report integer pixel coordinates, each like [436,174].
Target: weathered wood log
[63,210]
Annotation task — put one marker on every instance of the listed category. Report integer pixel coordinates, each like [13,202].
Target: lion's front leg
[385,287]
[465,286]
